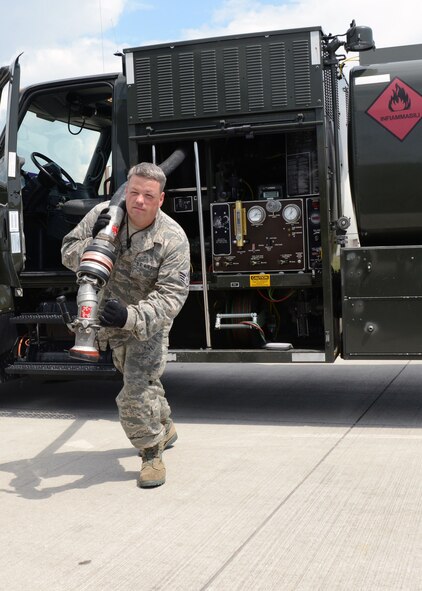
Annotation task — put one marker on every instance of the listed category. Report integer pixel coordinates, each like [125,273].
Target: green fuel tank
[385,152]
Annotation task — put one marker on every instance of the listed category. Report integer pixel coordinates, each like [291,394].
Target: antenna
[102,37]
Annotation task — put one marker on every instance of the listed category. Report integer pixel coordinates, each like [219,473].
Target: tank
[385,152]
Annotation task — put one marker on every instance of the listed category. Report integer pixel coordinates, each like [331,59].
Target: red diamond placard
[398,108]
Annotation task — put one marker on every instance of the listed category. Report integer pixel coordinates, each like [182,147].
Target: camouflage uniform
[152,279]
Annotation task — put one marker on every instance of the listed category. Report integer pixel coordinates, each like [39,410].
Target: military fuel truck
[289,261]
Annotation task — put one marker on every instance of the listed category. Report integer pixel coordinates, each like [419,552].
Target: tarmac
[284,477]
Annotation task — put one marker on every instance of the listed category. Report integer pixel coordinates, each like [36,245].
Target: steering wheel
[53,172]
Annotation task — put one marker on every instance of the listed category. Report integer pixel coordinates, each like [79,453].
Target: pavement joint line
[300,484]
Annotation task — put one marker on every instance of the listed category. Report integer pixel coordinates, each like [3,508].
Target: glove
[114,314]
[101,222]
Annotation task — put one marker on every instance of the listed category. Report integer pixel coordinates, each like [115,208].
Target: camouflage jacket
[151,277]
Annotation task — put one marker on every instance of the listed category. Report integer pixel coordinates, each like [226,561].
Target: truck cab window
[70,147]
[64,145]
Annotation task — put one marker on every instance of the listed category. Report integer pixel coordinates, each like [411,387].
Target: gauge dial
[291,213]
[273,205]
[256,214]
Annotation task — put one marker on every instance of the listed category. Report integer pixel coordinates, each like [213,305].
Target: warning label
[398,108]
[262,280]
[86,311]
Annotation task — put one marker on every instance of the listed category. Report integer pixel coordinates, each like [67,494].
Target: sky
[61,39]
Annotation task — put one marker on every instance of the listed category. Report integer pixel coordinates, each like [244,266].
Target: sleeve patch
[184,277]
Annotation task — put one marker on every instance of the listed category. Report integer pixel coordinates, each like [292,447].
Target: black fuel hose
[167,166]
[173,161]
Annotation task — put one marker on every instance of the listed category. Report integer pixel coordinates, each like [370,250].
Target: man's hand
[114,314]
[101,222]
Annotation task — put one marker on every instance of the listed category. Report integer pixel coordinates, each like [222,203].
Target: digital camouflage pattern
[152,279]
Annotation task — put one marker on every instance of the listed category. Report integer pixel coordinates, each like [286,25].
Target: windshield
[71,147]
[3,107]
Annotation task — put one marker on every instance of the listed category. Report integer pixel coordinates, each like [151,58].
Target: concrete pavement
[284,477]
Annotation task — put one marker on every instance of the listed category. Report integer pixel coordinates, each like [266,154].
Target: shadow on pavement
[364,396]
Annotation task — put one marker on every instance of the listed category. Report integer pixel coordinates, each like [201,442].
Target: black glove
[101,222]
[114,314]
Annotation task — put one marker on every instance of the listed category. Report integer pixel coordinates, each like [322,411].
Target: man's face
[143,200]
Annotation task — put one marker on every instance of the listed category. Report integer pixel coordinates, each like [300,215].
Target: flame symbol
[86,311]
[400,101]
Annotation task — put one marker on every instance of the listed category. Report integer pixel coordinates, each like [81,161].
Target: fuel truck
[297,178]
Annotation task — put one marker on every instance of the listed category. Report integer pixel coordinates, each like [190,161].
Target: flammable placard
[398,108]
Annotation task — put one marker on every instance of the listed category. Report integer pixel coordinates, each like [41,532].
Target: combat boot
[153,471]
[171,435]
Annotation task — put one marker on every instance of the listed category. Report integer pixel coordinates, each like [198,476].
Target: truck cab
[61,154]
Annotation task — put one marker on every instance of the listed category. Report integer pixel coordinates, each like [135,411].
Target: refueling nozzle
[85,325]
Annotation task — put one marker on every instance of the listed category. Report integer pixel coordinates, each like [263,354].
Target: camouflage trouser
[143,408]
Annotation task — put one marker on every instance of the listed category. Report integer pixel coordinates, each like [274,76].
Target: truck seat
[75,209]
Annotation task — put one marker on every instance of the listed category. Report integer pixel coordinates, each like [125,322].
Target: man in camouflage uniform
[147,288]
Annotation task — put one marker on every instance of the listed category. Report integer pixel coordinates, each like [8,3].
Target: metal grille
[278,75]
[165,86]
[209,81]
[347,93]
[254,74]
[255,77]
[327,95]
[143,87]
[302,72]
[232,78]
[187,84]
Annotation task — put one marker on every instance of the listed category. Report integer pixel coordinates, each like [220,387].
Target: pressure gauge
[256,214]
[291,213]
[273,205]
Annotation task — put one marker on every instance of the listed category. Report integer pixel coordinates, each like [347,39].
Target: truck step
[83,370]
[38,318]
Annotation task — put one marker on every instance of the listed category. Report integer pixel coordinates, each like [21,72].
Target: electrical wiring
[342,64]
[22,340]
[258,328]
[270,298]
[248,186]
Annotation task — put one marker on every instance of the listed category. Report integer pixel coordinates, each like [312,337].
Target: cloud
[135,6]
[58,23]
[61,40]
[58,45]
[86,56]
[244,16]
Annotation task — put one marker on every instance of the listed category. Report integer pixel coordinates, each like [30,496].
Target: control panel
[265,235]
[313,233]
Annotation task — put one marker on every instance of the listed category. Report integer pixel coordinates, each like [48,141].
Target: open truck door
[12,253]
[61,158]
[11,231]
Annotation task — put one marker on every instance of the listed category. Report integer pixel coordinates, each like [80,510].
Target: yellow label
[262,280]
